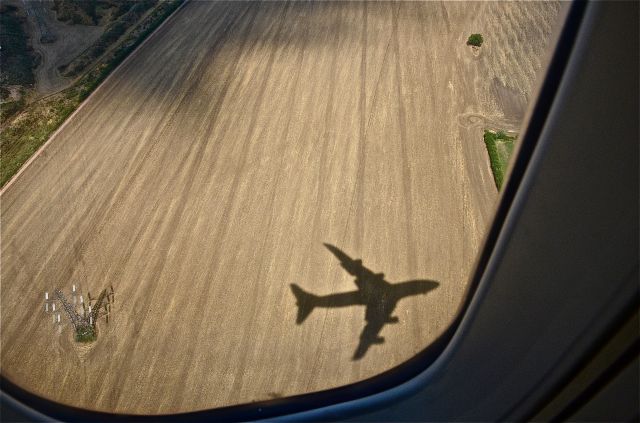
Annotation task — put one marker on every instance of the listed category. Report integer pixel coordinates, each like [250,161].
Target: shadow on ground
[378,295]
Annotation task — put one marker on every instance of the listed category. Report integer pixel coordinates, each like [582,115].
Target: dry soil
[204,177]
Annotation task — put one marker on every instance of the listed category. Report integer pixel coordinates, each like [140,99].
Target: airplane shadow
[379,296]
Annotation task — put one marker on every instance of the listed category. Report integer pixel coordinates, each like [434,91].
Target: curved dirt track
[204,177]
[70,40]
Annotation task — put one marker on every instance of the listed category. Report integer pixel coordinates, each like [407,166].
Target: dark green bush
[76,11]
[475,40]
[85,333]
[10,108]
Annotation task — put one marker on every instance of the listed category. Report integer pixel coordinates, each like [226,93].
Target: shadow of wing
[365,278]
[368,337]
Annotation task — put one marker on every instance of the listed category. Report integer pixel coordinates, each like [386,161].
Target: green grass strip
[30,129]
[500,147]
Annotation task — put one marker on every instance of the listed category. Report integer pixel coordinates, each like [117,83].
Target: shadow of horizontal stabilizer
[305,302]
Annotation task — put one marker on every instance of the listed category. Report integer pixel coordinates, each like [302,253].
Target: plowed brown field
[204,176]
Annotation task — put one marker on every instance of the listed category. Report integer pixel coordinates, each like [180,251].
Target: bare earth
[204,177]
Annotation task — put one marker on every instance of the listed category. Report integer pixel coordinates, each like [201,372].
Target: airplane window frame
[378,386]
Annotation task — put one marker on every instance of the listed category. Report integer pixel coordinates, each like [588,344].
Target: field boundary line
[53,136]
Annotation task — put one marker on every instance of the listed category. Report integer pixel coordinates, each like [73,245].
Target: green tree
[475,40]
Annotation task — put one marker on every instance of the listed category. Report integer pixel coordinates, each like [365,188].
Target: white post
[81,300]
[58,317]
[46,306]
[46,295]
[53,306]
[91,320]
[73,288]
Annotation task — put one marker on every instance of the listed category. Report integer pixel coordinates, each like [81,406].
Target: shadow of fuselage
[379,296]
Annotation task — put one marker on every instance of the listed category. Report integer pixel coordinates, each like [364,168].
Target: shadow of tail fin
[304,301]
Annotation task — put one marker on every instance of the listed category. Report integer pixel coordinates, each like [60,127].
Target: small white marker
[89,309]
[73,288]
[53,306]
[58,317]
[46,306]
[81,300]
[90,320]
[46,295]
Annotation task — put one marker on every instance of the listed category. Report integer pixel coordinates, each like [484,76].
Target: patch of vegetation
[86,333]
[475,40]
[134,11]
[18,58]
[31,128]
[499,146]
[76,11]
[10,108]
[92,12]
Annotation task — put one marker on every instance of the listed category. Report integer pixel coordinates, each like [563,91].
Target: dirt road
[204,177]
[56,42]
